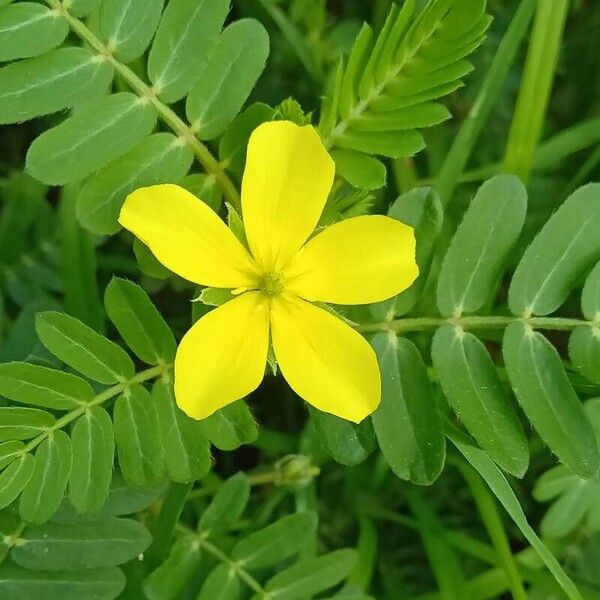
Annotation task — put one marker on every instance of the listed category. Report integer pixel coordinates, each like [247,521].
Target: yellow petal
[187,237]
[324,360]
[358,261]
[286,182]
[223,356]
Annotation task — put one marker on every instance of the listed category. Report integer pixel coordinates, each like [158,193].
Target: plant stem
[243,575]
[167,520]
[493,523]
[269,477]
[535,88]
[294,38]
[235,567]
[108,394]
[143,90]
[424,323]
[487,97]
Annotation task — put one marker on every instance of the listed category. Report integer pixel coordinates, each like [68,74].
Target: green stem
[443,560]
[294,38]
[271,477]
[235,567]
[97,400]
[217,553]
[142,89]
[487,97]
[535,87]
[493,523]
[405,174]
[167,520]
[424,323]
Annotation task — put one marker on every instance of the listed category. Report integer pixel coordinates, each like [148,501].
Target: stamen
[272,284]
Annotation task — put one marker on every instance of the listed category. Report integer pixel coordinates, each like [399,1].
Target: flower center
[272,284]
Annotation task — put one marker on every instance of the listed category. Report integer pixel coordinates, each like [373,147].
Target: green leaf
[390,81]
[138,438]
[221,584]
[147,262]
[348,444]
[492,475]
[161,158]
[228,77]
[185,38]
[45,490]
[481,246]
[590,296]
[358,169]
[406,422]
[17,583]
[311,576]
[95,135]
[543,389]
[29,29]
[41,386]
[472,385]
[584,351]
[23,423]
[233,143]
[357,62]
[138,322]
[88,545]
[93,444]
[49,83]
[568,511]
[409,117]
[231,427]
[126,500]
[205,188]
[10,451]
[235,223]
[82,8]
[127,26]
[553,482]
[214,296]
[82,348]
[273,544]
[14,478]
[394,144]
[560,255]
[168,580]
[226,506]
[185,446]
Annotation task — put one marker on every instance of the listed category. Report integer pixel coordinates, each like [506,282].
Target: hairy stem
[424,323]
[142,89]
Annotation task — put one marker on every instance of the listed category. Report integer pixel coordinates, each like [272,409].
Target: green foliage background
[477,477]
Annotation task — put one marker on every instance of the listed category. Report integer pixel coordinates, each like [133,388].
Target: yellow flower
[358,261]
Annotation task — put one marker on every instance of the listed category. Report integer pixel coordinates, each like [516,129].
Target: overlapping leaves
[60,432]
[266,562]
[465,354]
[389,86]
[108,140]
